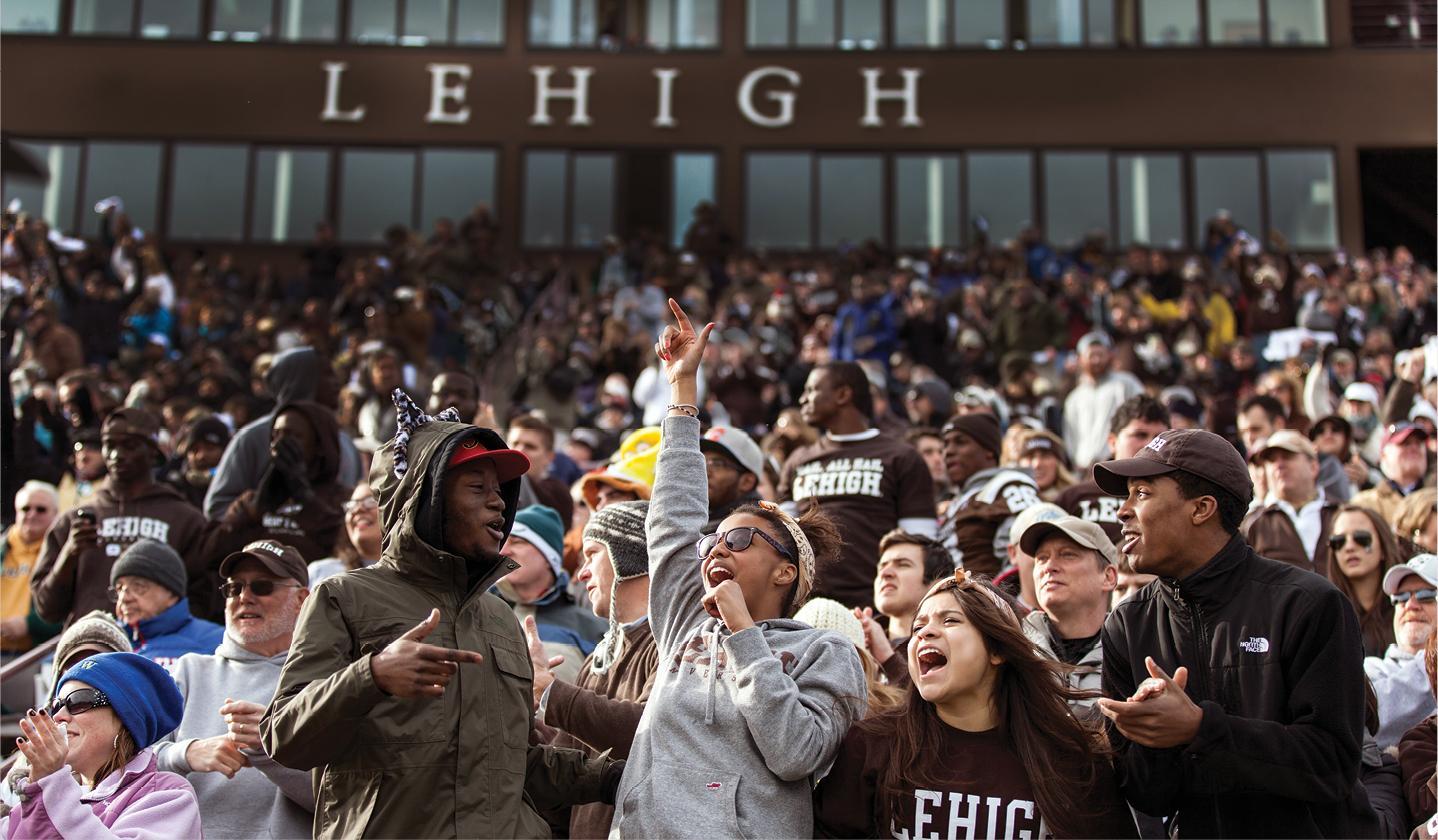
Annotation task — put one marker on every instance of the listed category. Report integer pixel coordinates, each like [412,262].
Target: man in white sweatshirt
[1097,395]
[242,791]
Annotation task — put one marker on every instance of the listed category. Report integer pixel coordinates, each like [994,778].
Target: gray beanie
[152,560]
[96,630]
[620,529]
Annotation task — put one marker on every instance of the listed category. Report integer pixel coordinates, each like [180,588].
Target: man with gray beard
[242,791]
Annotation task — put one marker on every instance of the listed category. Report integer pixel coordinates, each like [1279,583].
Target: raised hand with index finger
[680,347]
[408,667]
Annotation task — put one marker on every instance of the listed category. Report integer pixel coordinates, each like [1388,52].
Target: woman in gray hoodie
[750,706]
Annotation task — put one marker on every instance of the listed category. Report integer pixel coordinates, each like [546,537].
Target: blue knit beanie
[143,694]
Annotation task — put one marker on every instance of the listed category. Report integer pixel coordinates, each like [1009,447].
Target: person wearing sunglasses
[36,506]
[750,705]
[1362,549]
[1398,676]
[242,791]
[91,770]
[148,584]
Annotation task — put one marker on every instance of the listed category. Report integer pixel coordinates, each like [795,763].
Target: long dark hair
[1031,698]
[1389,555]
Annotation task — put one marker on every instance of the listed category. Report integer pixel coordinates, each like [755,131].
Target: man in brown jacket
[408,686]
[51,344]
[1294,527]
[72,576]
[601,709]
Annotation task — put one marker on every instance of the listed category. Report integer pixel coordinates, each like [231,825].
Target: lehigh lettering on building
[765,96]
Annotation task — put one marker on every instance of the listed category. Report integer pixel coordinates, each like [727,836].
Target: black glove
[609,782]
[289,462]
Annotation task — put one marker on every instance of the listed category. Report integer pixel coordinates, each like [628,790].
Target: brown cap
[1193,451]
[280,559]
[1287,440]
[1087,534]
[132,421]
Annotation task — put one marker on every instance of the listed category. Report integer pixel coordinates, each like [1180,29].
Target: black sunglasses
[1422,596]
[261,587]
[738,539]
[78,702]
[1363,538]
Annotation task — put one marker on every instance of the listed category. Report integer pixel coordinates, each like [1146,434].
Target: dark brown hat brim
[1112,476]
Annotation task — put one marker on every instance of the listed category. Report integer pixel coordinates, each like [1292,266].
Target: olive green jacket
[456,766]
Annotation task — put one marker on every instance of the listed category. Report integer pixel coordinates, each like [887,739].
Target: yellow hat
[639,441]
[634,474]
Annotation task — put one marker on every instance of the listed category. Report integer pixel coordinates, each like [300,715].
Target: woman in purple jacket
[92,773]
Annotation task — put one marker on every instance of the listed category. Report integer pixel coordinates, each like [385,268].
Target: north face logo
[1156,444]
[1255,644]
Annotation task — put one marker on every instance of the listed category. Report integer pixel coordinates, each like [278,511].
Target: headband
[806,551]
[961,576]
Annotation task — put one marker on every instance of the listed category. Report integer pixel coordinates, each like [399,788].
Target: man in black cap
[73,572]
[201,443]
[976,524]
[1233,687]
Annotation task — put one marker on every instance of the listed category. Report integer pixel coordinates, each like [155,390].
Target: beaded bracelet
[691,410]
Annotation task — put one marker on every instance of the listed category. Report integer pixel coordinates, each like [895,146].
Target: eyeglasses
[1363,538]
[738,539]
[261,587]
[719,463]
[369,503]
[138,588]
[34,509]
[1422,596]
[78,702]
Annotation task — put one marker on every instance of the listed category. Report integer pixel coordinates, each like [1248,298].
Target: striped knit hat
[620,529]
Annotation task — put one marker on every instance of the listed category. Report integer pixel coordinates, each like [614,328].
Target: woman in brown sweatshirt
[984,746]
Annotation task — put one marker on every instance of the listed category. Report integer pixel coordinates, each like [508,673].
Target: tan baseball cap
[1087,534]
[1287,440]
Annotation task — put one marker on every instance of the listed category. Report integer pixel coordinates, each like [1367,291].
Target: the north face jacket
[1275,661]
[456,766]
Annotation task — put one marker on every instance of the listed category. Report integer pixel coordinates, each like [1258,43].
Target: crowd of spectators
[252,470]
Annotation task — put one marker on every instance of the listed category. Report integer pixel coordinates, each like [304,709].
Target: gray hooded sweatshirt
[293,376]
[262,800]
[739,726]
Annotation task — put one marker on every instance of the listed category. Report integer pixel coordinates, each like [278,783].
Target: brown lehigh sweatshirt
[601,712]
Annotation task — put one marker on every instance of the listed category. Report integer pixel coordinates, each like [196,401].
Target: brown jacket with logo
[460,765]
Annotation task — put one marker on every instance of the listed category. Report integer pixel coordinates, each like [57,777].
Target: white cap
[1032,515]
[824,614]
[737,445]
[1422,565]
[1362,392]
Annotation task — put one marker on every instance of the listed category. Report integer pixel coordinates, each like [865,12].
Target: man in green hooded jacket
[408,687]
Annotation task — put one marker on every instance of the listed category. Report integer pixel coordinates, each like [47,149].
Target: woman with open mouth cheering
[985,745]
[749,706]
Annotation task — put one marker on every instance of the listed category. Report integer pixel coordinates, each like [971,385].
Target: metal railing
[21,668]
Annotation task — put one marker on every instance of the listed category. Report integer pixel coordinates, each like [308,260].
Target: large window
[1299,23]
[1076,196]
[569,198]
[30,17]
[374,21]
[682,24]
[851,199]
[562,23]
[778,189]
[1170,23]
[1055,23]
[846,24]
[1300,198]
[309,20]
[376,191]
[1000,193]
[1150,200]
[452,182]
[921,23]
[290,190]
[51,198]
[128,170]
[980,23]
[242,20]
[693,176]
[1235,22]
[169,18]
[1225,182]
[207,192]
[926,201]
[102,17]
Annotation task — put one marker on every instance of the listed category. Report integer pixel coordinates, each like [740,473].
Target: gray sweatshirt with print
[739,725]
[265,799]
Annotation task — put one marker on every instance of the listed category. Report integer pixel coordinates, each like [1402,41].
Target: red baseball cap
[1400,432]
[509,464]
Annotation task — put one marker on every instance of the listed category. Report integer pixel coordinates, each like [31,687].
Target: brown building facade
[809,123]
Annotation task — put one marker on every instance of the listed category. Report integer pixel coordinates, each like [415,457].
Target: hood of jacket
[412,507]
[326,465]
[293,375]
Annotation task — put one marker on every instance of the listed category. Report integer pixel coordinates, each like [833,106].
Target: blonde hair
[1413,512]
